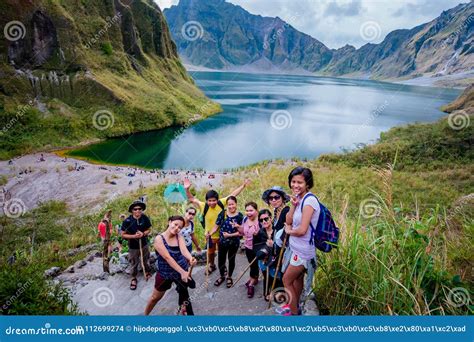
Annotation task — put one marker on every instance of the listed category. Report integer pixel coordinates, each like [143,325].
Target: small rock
[98,254]
[80,264]
[90,258]
[52,272]
[104,276]
[124,258]
[70,269]
[310,308]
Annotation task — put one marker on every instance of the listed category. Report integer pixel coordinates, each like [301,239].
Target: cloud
[349,9]
[337,23]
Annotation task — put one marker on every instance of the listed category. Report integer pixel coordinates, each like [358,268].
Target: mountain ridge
[438,48]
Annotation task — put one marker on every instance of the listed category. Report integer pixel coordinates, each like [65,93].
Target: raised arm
[239,189]
[191,198]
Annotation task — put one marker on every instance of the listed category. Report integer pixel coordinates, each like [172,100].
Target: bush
[24,291]
[107,48]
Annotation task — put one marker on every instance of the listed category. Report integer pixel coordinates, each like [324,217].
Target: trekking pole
[266,279]
[243,272]
[276,270]
[207,265]
[141,258]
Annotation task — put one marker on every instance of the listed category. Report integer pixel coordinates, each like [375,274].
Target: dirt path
[111,294]
[80,184]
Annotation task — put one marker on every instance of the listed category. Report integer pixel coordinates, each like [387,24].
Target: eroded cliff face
[82,56]
[232,38]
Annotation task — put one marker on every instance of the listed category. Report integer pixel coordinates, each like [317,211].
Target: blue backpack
[325,235]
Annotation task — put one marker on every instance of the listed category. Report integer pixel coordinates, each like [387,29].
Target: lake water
[276,116]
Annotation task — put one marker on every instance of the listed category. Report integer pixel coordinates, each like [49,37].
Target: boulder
[80,264]
[52,272]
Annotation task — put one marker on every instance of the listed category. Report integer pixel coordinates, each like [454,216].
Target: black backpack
[206,209]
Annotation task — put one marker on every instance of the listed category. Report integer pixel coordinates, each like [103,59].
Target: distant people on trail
[300,257]
[249,228]
[136,228]
[188,230]
[210,210]
[105,224]
[174,260]
[229,240]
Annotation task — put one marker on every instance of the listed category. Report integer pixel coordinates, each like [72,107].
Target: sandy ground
[112,296]
[460,80]
[80,184]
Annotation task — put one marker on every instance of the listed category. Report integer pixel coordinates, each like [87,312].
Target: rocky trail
[99,293]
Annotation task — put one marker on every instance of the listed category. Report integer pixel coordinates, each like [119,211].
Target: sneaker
[250,291]
[283,310]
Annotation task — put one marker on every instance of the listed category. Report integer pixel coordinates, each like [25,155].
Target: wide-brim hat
[137,203]
[278,190]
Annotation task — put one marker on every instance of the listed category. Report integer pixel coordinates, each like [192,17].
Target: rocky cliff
[229,37]
[62,62]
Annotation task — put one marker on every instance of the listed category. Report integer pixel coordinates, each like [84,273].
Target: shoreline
[422,81]
[81,184]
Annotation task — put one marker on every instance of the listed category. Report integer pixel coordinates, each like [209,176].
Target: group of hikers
[278,242]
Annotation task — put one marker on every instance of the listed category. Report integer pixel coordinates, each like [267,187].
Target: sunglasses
[191,213]
[265,219]
[137,209]
[274,198]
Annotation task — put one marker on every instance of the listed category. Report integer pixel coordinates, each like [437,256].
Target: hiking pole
[141,258]
[276,270]
[266,279]
[207,264]
[243,272]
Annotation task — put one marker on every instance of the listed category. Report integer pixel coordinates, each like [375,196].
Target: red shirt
[102,228]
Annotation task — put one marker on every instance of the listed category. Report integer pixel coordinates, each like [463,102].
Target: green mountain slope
[63,61]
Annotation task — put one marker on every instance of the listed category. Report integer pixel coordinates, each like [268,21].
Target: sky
[340,22]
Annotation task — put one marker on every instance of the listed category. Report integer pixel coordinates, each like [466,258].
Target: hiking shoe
[283,310]
[250,291]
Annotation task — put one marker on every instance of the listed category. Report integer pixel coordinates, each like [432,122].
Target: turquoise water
[276,116]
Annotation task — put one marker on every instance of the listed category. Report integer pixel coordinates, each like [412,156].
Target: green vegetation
[406,231]
[107,48]
[137,79]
